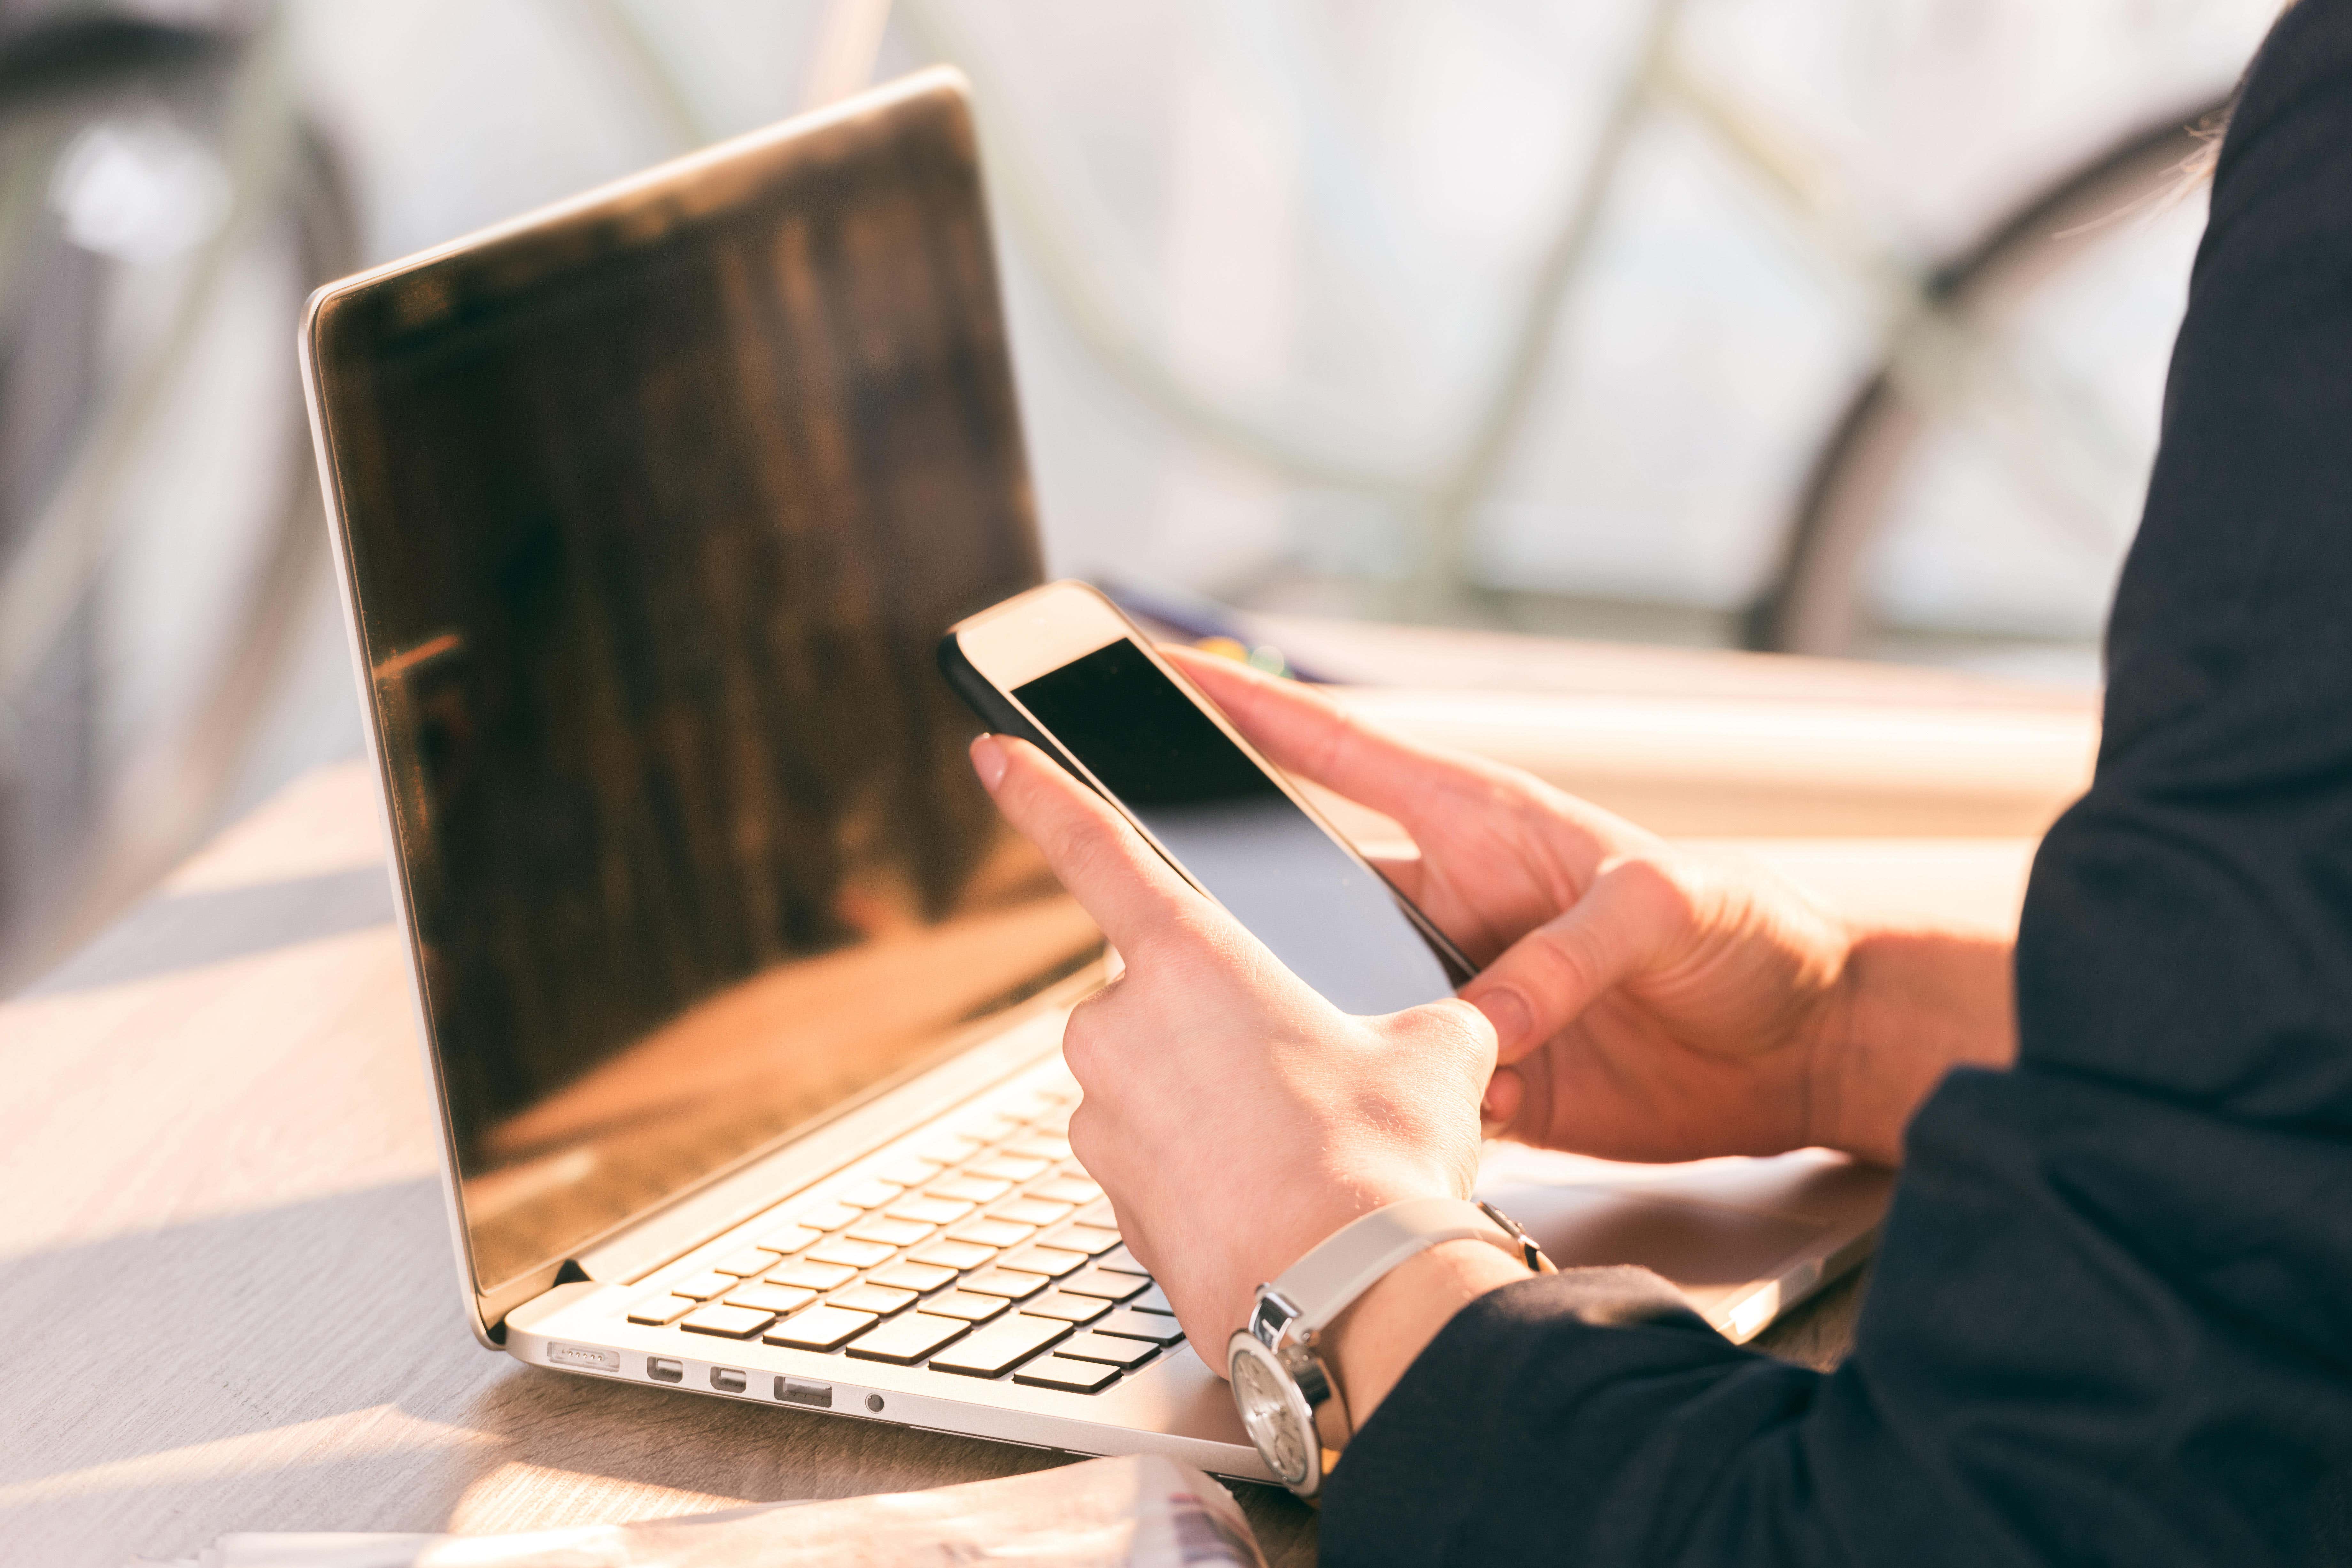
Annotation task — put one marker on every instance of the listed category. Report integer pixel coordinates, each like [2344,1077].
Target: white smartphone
[1060,667]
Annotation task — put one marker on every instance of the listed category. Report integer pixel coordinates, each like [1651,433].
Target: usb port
[801,1390]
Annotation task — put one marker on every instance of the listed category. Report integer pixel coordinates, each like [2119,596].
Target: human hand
[1235,1118]
[1650,1003]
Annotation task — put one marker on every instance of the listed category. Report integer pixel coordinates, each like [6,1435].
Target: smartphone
[1062,667]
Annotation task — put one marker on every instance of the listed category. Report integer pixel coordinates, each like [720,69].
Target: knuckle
[1087,1132]
[1075,844]
[1563,957]
[1657,894]
[1085,1034]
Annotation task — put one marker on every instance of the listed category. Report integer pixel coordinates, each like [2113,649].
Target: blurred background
[1827,326]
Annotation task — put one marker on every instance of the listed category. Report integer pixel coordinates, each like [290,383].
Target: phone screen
[1331,919]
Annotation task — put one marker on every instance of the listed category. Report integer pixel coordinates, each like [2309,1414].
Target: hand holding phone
[1060,667]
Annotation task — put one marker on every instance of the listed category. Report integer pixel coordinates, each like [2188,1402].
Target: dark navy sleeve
[2112,1316]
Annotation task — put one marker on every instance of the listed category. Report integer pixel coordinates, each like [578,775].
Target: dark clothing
[2112,1316]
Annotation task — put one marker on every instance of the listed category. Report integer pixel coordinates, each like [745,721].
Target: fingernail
[1507,1013]
[988,760]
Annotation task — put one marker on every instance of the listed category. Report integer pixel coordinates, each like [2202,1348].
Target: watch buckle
[1271,1318]
[1533,1255]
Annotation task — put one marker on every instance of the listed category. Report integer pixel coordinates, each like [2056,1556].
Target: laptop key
[992,1233]
[728,1323]
[911,1169]
[1153,1301]
[1130,1324]
[792,1238]
[1031,1211]
[1108,1348]
[1040,1146]
[1066,1190]
[827,1216]
[954,1253]
[1051,1261]
[851,1254]
[968,1305]
[998,1347]
[750,1263]
[1009,1283]
[1074,1376]
[949,1149]
[1098,1213]
[819,1328]
[1118,1258]
[904,1340]
[889,1232]
[992,1127]
[1107,1283]
[1083,1238]
[930,1210]
[702,1287]
[809,1275]
[879,1300]
[777,1299]
[970,1189]
[660,1311]
[870,1195]
[1010,1167]
[907,1275]
[1034,1103]
[1068,1308]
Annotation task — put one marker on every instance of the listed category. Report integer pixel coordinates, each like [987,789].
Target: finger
[1119,878]
[1630,919]
[1308,734]
[1402,871]
[1507,1091]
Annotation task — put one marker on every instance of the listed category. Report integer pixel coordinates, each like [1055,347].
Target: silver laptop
[743,1006]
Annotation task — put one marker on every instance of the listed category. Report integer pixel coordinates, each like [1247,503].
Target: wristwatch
[1289,1400]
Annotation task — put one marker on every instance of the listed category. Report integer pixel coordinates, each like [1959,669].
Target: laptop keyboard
[984,1251]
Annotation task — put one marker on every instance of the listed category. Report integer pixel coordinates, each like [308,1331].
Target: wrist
[1909,1007]
[1371,1344]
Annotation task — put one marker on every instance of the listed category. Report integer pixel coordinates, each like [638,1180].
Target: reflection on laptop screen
[654,511]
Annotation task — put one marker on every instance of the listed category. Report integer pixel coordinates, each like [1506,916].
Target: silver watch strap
[1327,1281]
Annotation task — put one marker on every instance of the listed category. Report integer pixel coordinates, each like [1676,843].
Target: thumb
[1631,918]
[1114,873]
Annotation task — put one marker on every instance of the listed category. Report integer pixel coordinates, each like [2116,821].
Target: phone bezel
[1038,631]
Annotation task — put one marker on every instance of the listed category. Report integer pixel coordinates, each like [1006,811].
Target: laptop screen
[654,512]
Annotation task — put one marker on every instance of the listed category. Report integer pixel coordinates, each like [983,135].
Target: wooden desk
[223,1232]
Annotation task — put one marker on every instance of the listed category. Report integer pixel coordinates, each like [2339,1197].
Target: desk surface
[224,1241]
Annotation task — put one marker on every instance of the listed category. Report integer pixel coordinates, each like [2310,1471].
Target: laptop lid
[651,509]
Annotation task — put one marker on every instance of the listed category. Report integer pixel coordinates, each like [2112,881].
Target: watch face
[1274,1413]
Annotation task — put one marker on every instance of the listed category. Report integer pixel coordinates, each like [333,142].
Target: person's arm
[1913,1003]
[2107,1320]
[2107,1323]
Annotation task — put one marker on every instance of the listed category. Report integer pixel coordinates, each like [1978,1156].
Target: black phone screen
[1331,919]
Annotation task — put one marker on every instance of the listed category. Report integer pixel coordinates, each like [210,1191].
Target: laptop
[743,1006]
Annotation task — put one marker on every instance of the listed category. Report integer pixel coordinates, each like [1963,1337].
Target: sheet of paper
[1142,1511]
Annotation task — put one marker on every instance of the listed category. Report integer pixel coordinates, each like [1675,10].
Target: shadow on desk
[308,1367]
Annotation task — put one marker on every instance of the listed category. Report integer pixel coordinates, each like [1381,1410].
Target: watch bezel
[1243,1346]
[1279,1338]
